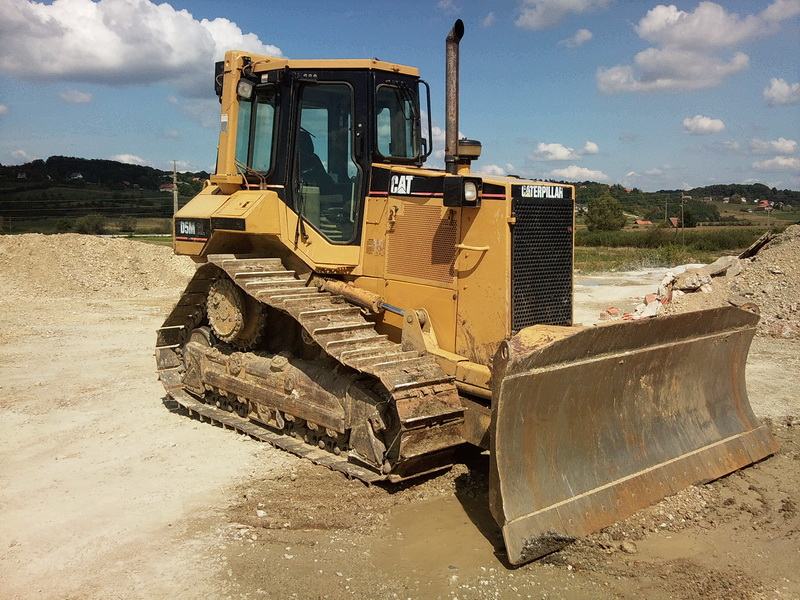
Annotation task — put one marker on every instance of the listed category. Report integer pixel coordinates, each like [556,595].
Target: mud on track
[105,493]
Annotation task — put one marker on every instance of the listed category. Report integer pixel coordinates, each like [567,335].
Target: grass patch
[656,238]
[590,259]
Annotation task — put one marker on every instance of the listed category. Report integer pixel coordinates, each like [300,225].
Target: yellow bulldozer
[375,316]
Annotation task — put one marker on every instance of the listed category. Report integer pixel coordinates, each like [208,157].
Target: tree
[605,214]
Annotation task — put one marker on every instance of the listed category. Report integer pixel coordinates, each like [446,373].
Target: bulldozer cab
[313,132]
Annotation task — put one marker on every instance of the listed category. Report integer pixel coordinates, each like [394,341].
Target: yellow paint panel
[484,280]
[439,302]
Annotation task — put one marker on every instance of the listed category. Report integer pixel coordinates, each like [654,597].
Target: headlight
[470,191]
[244,89]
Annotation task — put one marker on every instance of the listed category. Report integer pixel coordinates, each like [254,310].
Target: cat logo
[400,184]
[542,191]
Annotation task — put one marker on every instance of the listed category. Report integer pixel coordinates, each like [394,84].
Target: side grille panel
[423,243]
[541,262]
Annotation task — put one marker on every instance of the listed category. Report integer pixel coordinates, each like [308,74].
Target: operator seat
[312,171]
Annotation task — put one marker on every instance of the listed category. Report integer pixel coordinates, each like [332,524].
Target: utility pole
[174,187]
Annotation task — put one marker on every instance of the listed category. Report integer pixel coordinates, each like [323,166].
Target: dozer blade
[590,425]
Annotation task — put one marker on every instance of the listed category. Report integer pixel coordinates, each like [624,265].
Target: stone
[721,265]
[650,298]
[613,311]
[737,300]
[736,268]
[706,288]
[261,513]
[628,547]
[651,310]
[691,280]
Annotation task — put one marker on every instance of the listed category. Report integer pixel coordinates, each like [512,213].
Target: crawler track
[425,398]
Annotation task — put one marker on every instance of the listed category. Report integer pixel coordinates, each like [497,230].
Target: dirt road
[105,493]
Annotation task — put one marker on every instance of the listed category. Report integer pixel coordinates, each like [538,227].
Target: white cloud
[21,155]
[540,14]
[492,170]
[201,110]
[779,146]
[702,125]
[708,26]
[117,42]
[779,163]
[3,109]
[688,47]
[75,96]
[554,151]
[488,20]
[731,145]
[657,69]
[780,92]
[576,173]
[130,159]
[590,148]
[172,134]
[578,39]
[448,6]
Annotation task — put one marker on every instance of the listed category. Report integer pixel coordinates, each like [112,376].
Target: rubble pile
[769,278]
[32,265]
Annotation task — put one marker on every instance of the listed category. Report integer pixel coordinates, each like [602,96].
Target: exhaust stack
[451,99]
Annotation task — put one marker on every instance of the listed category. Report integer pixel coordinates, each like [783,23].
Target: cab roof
[262,63]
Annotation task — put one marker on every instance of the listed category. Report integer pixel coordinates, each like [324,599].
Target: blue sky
[641,93]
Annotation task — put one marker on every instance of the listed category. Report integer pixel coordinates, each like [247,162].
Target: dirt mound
[770,279]
[68,264]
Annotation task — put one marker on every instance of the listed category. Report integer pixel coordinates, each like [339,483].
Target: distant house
[743,200]
[166,187]
[22,175]
[763,203]
[726,200]
[75,177]
[642,222]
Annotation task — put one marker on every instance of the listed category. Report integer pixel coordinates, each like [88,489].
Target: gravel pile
[63,265]
[770,279]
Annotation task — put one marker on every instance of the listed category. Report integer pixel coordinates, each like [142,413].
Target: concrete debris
[691,280]
[261,513]
[610,313]
[721,265]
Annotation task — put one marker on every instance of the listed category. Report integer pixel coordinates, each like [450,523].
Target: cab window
[255,129]
[396,124]
[327,177]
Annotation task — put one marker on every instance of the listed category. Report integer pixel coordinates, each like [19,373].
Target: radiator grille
[541,262]
[423,243]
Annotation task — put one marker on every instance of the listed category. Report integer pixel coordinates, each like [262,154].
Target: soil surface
[104,493]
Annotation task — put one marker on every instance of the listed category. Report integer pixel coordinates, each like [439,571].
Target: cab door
[328,172]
